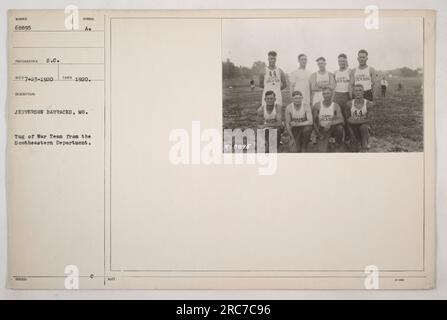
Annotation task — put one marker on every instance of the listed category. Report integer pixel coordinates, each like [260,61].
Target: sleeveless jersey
[359,114]
[322,79]
[269,117]
[272,81]
[298,115]
[342,80]
[363,77]
[326,114]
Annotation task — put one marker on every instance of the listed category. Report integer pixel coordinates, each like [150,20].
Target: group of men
[331,107]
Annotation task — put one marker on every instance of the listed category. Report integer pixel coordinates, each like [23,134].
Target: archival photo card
[157,149]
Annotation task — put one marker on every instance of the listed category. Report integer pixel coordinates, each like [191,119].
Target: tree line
[231,71]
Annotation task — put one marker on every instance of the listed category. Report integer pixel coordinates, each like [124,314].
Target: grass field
[397,119]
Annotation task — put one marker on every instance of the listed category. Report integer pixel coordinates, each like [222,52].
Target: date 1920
[237,147]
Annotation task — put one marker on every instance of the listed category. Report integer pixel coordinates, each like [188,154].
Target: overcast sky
[397,43]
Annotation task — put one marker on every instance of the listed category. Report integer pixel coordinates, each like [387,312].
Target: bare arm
[260,118]
[261,80]
[316,112]
[278,122]
[351,82]
[311,92]
[309,117]
[291,82]
[369,104]
[348,110]
[373,77]
[331,81]
[283,79]
[288,121]
[313,83]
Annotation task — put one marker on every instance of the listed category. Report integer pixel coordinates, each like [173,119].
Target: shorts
[301,135]
[368,95]
[342,98]
[336,131]
[361,132]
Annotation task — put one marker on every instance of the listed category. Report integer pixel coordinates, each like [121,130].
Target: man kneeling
[269,119]
[328,121]
[299,122]
[359,119]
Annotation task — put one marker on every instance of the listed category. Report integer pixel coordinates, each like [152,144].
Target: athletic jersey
[342,80]
[298,115]
[269,117]
[359,114]
[300,78]
[322,80]
[363,77]
[272,81]
[326,114]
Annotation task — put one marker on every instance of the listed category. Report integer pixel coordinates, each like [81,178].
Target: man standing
[299,79]
[383,86]
[328,121]
[273,79]
[364,75]
[343,87]
[319,80]
[252,85]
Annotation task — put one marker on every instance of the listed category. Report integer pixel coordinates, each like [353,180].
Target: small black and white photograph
[323,85]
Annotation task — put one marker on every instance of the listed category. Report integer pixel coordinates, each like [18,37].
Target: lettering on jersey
[362,77]
[342,79]
[296,122]
[359,114]
[270,121]
[299,118]
[326,117]
[322,80]
[272,77]
[323,83]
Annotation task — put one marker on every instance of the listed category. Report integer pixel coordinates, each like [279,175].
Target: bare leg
[356,137]
[305,135]
[323,141]
[364,134]
[297,137]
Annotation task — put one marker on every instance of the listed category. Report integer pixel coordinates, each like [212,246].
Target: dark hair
[326,88]
[272,53]
[301,55]
[321,58]
[363,51]
[269,93]
[297,93]
[342,55]
[359,86]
